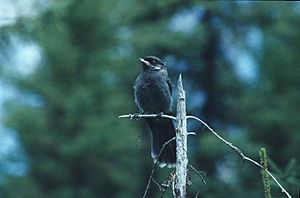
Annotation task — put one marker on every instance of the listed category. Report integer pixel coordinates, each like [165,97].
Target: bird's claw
[135,116]
[159,115]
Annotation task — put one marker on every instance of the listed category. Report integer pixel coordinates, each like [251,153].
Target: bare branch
[238,151]
[136,116]
[199,173]
[173,185]
[191,133]
[181,143]
[165,185]
[197,194]
[154,166]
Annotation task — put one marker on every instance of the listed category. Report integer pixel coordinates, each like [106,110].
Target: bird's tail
[163,130]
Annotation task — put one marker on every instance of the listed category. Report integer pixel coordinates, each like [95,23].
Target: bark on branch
[181,143]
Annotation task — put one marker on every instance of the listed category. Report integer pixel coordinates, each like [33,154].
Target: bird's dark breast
[152,93]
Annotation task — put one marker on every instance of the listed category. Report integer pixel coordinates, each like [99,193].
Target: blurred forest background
[67,70]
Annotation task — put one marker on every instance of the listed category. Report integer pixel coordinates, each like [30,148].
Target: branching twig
[136,115]
[165,185]
[162,188]
[199,173]
[154,166]
[237,150]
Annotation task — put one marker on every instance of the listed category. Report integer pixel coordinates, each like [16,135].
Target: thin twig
[237,150]
[159,186]
[197,194]
[173,185]
[138,116]
[135,115]
[154,165]
[199,173]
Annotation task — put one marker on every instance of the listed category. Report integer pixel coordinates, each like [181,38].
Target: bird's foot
[135,116]
[159,115]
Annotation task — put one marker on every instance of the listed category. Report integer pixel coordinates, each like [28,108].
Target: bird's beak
[144,62]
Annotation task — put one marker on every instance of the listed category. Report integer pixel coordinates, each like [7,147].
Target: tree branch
[181,143]
[154,166]
[238,151]
[199,173]
[137,116]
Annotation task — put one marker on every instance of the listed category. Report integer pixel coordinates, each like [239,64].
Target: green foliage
[77,147]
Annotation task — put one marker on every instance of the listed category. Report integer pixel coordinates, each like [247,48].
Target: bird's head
[153,63]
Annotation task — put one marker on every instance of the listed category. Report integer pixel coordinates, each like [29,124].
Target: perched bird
[153,94]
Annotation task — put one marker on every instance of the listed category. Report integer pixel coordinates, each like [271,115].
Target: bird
[153,95]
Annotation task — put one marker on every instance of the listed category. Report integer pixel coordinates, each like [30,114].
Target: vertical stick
[181,143]
[264,172]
